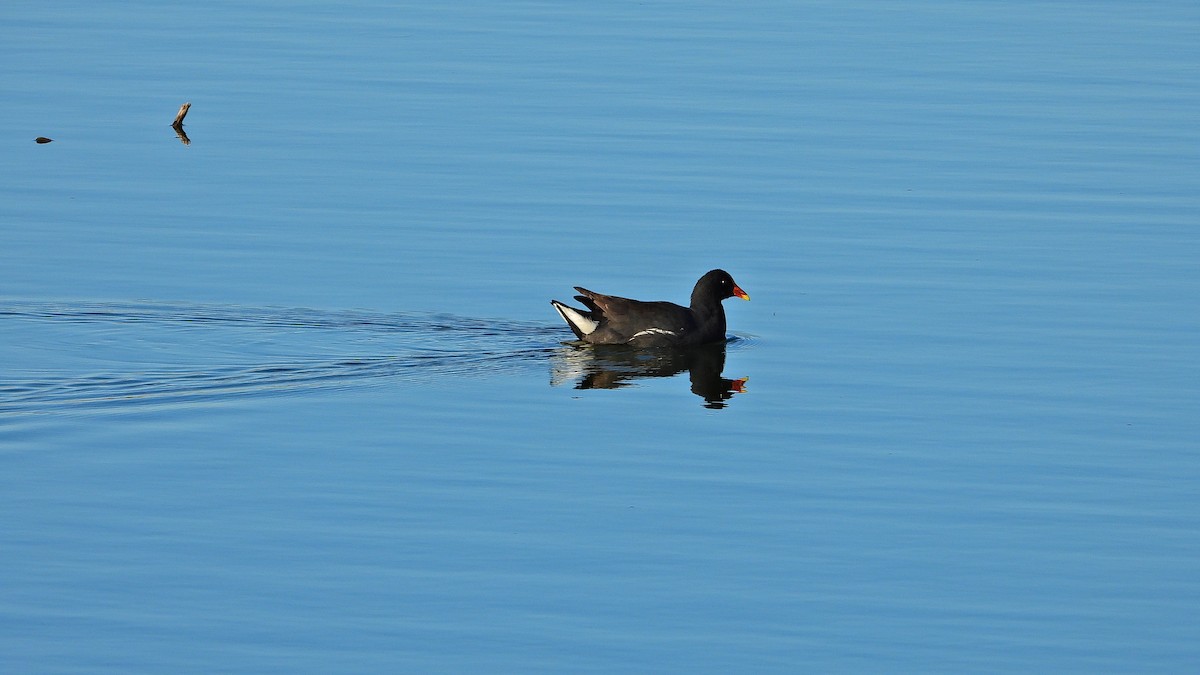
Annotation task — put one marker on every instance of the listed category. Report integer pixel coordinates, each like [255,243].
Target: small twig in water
[183,110]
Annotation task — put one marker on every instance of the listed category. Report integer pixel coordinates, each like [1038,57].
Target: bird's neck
[706,310]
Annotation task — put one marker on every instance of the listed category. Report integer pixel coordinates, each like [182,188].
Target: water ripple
[59,357]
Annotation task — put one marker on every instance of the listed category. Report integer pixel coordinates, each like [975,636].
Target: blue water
[291,397]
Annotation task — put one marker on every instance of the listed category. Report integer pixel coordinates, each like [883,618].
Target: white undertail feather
[574,318]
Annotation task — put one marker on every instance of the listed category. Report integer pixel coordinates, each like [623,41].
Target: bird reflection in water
[613,366]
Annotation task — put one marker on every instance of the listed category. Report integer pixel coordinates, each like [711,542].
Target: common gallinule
[610,320]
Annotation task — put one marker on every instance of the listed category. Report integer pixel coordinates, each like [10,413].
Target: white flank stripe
[652,331]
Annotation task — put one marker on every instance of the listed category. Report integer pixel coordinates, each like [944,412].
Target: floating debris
[177,125]
[183,110]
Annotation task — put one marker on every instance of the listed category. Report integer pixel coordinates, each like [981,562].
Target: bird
[611,320]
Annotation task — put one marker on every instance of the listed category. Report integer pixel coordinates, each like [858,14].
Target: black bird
[611,320]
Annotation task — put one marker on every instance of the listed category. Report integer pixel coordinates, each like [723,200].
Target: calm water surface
[291,397]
